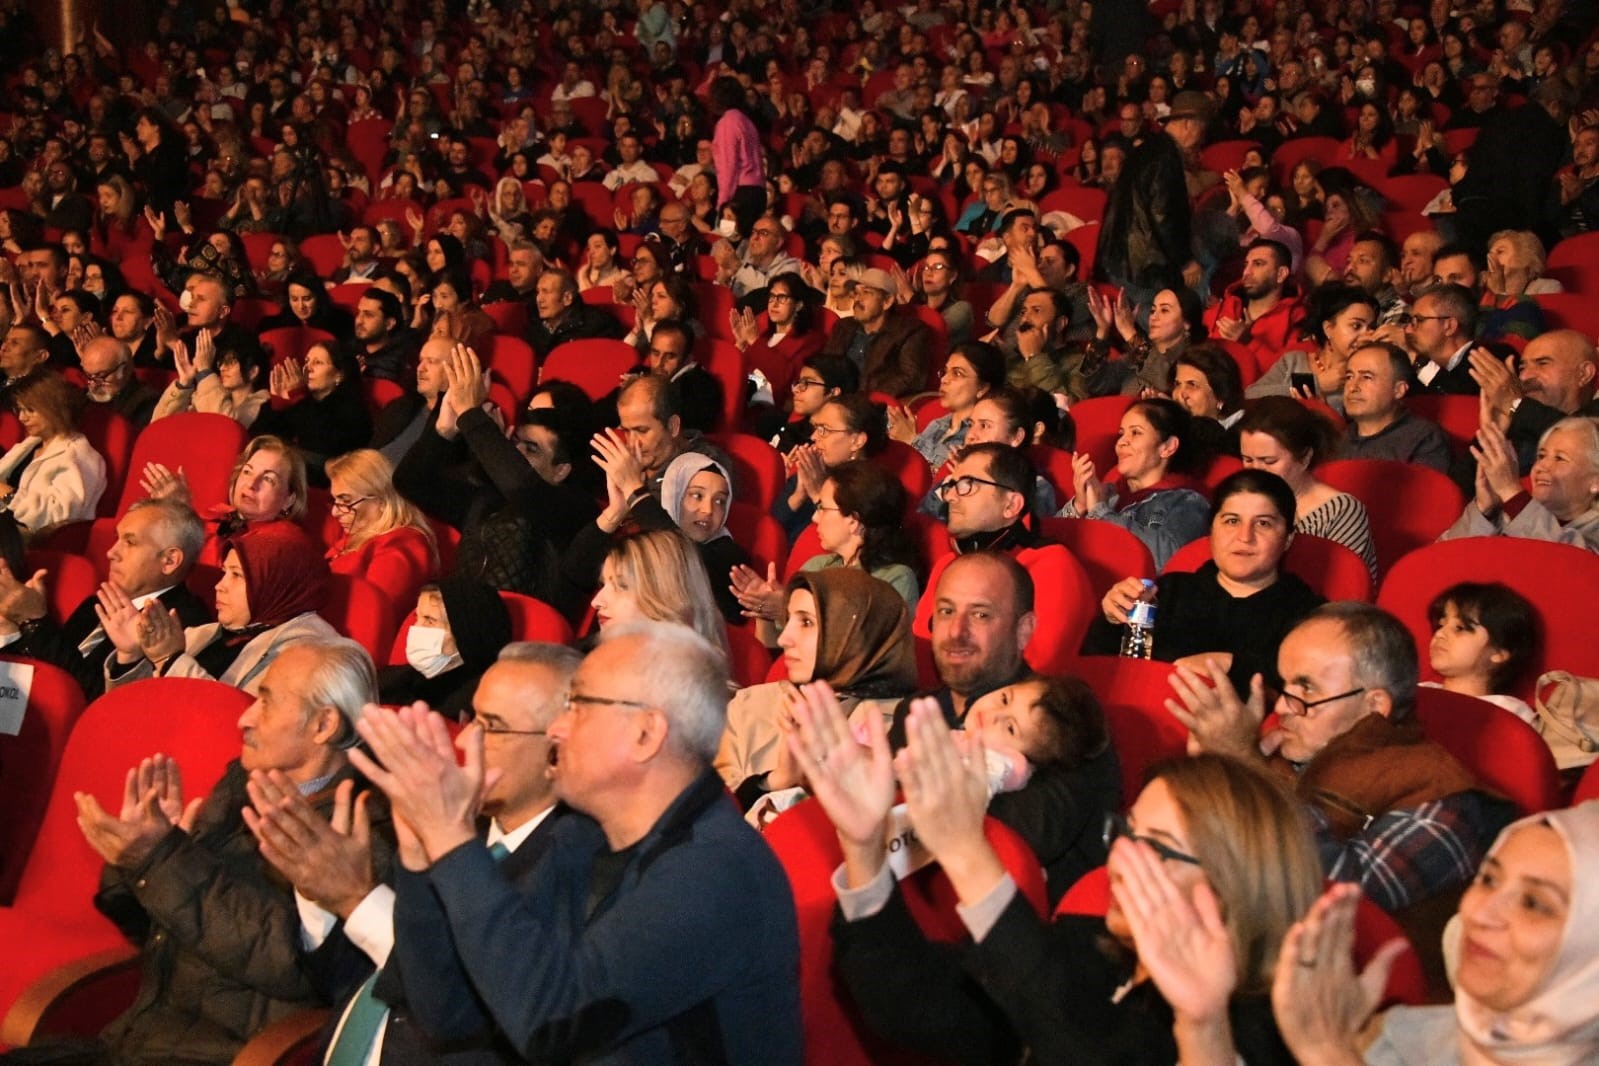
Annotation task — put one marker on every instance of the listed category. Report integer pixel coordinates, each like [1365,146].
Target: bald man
[108,365]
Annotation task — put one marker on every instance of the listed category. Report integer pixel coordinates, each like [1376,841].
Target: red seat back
[595,366]
[1133,693]
[758,474]
[292,342]
[112,436]
[1098,422]
[807,846]
[910,466]
[1560,581]
[1408,505]
[359,610]
[203,446]
[1505,753]
[757,533]
[29,759]
[1106,552]
[512,360]
[1458,415]
[71,580]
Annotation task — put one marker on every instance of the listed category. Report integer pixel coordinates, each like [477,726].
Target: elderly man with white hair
[658,928]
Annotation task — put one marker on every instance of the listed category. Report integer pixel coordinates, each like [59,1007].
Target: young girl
[1483,636]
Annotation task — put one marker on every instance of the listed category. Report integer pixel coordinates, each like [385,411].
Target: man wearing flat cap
[892,348]
[1145,244]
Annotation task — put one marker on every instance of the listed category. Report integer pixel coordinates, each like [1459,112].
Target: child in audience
[1484,635]
[1036,723]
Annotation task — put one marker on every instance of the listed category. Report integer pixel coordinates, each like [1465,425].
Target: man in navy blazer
[658,928]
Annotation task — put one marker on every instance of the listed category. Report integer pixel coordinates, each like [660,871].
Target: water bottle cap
[1148,583]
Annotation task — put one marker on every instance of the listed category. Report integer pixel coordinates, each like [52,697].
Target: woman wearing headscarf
[1523,948]
[844,627]
[696,496]
[459,629]
[274,580]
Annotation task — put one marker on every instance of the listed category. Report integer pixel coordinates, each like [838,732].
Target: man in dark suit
[349,920]
[156,546]
[1441,333]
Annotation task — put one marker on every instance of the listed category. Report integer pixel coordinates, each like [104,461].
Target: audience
[228,149]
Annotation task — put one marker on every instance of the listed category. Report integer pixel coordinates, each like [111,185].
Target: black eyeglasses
[573,699]
[1299,705]
[801,384]
[965,486]
[1117,827]
[495,729]
[107,376]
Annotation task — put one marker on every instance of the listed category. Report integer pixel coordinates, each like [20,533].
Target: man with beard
[1257,312]
[108,367]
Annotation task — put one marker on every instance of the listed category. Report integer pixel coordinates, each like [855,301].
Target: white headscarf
[674,483]
[1559,1026]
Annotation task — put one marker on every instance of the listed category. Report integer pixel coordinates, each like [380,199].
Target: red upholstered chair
[1588,785]
[1571,310]
[1458,415]
[324,251]
[348,295]
[909,465]
[927,411]
[1408,505]
[380,392]
[30,757]
[361,611]
[1326,566]
[807,846]
[1054,465]
[510,317]
[1290,153]
[1133,693]
[205,446]
[1086,202]
[70,580]
[1411,192]
[292,342]
[806,546]
[759,534]
[1098,421]
[52,920]
[113,437]
[1575,262]
[1226,155]
[723,361]
[596,366]
[1063,601]
[258,248]
[511,359]
[1107,552]
[758,473]
[1505,753]
[1561,582]
[1090,895]
[751,660]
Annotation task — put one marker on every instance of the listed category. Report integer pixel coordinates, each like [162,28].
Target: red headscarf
[284,572]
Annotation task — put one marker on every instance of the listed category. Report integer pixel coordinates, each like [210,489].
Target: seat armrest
[77,997]
[286,1042]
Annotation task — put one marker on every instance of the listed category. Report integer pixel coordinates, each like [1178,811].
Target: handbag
[1568,717]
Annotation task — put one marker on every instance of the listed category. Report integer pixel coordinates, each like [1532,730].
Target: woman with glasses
[1150,494]
[1208,871]
[386,539]
[457,633]
[53,475]
[1235,609]
[318,407]
[791,335]
[983,215]
[817,379]
[845,427]
[938,287]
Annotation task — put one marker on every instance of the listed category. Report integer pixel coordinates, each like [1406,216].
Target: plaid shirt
[1405,856]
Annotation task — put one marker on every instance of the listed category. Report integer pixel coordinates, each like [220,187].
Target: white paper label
[16,681]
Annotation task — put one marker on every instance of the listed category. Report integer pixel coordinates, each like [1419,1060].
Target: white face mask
[424,650]
[1366,87]
[728,228]
[185,300]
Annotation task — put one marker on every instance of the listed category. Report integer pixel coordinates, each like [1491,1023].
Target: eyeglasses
[928,268]
[504,730]
[1298,704]
[1431,318]
[342,506]
[1116,827]
[573,699]
[801,384]
[107,376]
[779,298]
[965,486]
[764,233]
[819,432]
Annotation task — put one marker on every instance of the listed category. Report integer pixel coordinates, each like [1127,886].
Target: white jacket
[64,482]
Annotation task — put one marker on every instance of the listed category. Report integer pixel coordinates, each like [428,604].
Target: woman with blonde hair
[1516,265]
[268,485]
[386,539]
[658,575]
[508,211]
[53,475]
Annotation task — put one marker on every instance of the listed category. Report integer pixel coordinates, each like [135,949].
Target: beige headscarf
[1559,1026]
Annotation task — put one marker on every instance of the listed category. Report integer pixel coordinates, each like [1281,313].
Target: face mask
[727,228]
[1366,87]
[424,650]
[185,300]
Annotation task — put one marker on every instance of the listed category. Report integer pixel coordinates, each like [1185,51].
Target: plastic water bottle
[1139,640]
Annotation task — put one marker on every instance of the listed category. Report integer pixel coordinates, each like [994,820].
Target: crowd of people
[866,275]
